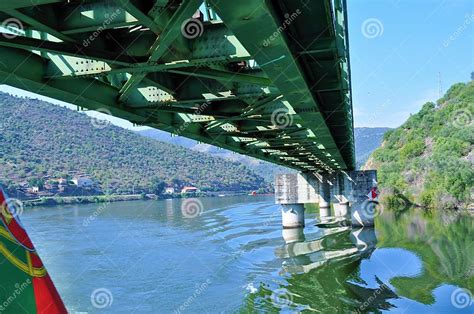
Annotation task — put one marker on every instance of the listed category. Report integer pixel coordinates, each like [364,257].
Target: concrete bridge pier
[324,212]
[324,193]
[348,189]
[292,215]
[293,235]
[341,206]
[363,210]
[363,213]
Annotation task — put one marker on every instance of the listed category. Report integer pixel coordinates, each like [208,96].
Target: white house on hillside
[82,182]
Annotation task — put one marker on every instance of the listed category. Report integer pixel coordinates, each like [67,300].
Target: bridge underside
[268,79]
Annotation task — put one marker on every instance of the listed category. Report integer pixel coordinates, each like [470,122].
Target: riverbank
[69,200]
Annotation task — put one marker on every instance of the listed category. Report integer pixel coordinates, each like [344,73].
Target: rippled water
[229,255]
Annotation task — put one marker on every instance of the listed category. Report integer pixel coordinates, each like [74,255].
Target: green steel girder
[17,4]
[39,22]
[167,35]
[25,70]
[225,76]
[134,8]
[91,16]
[221,88]
[68,50]
[253,23]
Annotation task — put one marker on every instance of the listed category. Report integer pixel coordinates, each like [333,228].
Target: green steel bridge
[268,79]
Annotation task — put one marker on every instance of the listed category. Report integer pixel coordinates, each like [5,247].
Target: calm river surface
[229,255]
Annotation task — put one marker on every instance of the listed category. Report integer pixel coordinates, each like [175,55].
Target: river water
[228,254]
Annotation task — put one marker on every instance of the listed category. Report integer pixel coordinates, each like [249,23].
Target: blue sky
[399,49]
[397,55]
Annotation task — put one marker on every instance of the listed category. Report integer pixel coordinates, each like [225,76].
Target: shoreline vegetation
[90,199]
[400,203]
[429,159]
[45,144]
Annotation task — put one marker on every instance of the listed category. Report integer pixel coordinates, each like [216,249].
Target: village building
[189,190]
[82,182]
[169,190]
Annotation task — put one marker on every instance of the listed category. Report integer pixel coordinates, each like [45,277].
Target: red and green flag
[25,286]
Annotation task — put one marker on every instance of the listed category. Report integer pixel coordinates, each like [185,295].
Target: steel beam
[134,62]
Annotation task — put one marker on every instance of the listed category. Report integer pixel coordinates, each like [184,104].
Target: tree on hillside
[52,141]
[429,158]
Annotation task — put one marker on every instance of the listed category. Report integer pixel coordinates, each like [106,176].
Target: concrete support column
[324,212]
[363,210]
[292,215]
[350,190]
[324,194]
[292,235]
[341,209]
[363,213]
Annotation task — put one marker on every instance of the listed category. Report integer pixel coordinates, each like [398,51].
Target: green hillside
[38,139]
[430,157]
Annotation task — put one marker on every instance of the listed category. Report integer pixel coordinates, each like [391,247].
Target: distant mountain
[430,158]
[262,168]
[366,141]
[167,138]
[40,140]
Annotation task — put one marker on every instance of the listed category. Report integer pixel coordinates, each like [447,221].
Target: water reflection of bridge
[329,269]
[333,259]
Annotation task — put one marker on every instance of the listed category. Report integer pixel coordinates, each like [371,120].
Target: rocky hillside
[430,157]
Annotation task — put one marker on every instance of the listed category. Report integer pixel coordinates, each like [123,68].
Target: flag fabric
[25,286]
[373,194]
